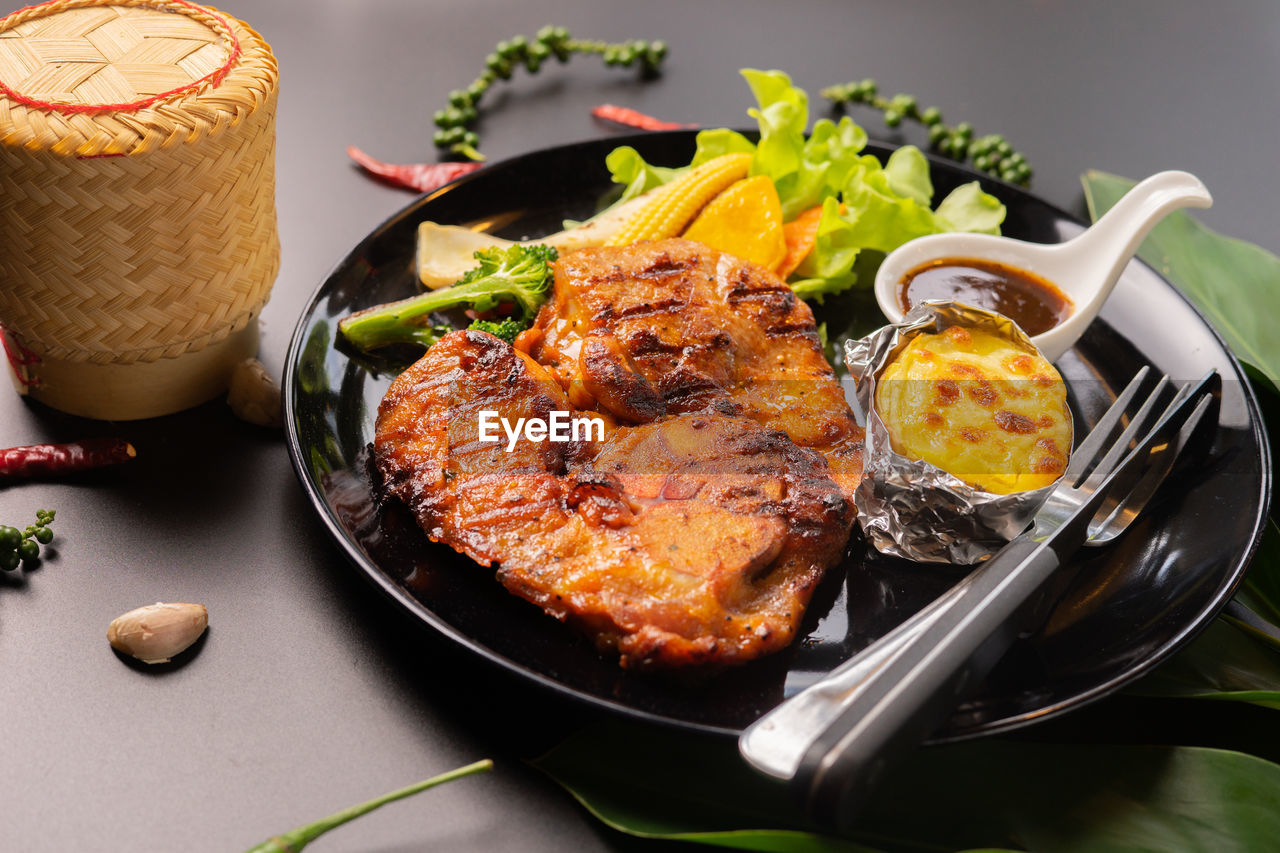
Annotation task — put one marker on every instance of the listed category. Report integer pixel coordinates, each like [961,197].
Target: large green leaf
[993,794]
[1222,663]
[1261,588]
[1231,660]
[664,785]
[1260,591]
[1234,283]
[1237,286]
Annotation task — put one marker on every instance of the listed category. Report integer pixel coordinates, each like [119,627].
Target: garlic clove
[254,396]
[157,632]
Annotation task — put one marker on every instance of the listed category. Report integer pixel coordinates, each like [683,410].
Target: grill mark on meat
[612,379]
[784,329]
[663,265]
[646,310]
[645,342]
[783,298]
[683,383]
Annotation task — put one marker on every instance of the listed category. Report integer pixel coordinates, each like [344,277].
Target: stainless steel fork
[831,738]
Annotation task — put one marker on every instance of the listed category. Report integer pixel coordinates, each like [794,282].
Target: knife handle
[900,704]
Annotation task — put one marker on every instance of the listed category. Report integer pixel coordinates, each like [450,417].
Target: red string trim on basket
[19,357]
[215,77]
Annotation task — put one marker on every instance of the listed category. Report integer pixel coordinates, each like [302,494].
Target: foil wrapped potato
[967,431]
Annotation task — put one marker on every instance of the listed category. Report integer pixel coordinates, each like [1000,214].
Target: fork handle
[904,701]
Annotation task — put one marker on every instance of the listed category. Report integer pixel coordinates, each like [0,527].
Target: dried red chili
[423,177]
[634,118]
[43,460]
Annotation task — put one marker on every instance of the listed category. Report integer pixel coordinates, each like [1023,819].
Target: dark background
[310,692]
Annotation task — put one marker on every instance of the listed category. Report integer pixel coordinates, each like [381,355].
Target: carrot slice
[801,235]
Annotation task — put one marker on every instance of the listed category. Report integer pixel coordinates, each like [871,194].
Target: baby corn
[674,205]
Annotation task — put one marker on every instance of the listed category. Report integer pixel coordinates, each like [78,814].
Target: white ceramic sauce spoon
[1084,268]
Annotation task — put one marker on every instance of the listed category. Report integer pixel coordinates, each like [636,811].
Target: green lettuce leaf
[804,169]
[628,168]
[782,114]
[866,205]
[834,149]
[719,141]
[638,176]
[882,218]
[828,269]
[884,207]
[968,208]
[908,173]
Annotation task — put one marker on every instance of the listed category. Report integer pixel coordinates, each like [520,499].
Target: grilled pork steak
[697,529]
[672,326]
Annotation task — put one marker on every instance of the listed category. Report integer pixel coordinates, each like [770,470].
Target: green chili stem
[295,839]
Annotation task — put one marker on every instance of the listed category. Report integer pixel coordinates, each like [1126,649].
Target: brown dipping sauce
[1033,303]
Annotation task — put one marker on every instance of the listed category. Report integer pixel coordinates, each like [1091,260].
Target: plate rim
[400,595]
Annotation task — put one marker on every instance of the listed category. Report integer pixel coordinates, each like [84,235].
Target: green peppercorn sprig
[991,153]
[454,122]
[23,546]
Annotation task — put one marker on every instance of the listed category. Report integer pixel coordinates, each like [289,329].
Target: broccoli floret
[520,274]
[506,329]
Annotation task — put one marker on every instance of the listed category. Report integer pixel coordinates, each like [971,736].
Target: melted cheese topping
[979,407]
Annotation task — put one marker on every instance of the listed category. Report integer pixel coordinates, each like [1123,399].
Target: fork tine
[1119,447]
[1206,384]
[1121,511]
[1101,432]
[1128,508]
[1166,431]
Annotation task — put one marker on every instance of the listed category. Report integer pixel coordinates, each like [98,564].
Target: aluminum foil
[910,508]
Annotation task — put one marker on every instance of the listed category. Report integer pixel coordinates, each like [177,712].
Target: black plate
[1130,606]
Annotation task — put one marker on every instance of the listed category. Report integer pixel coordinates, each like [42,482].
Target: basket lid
[94,78]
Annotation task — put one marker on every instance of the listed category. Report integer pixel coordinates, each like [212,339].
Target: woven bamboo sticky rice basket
[138,235]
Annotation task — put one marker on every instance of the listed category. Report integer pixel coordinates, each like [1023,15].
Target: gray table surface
[311,692]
